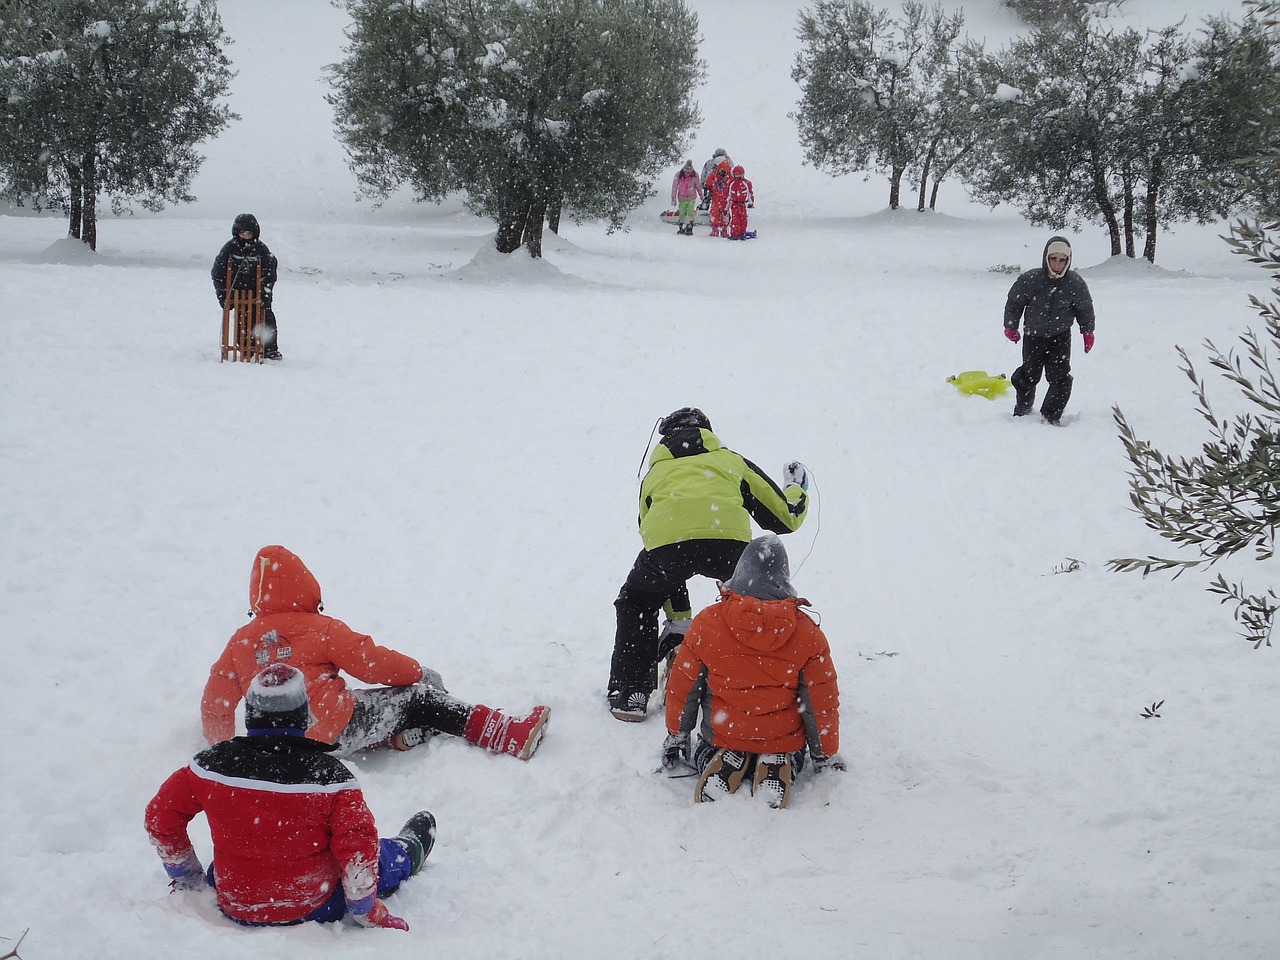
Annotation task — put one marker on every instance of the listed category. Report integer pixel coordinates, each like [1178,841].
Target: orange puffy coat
[288,626]
[765,667]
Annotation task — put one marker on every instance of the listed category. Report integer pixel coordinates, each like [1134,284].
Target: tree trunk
[1150,217]
[553,214]
[933,195]
[895,187]
[533,228]
[1128,217]
[1103,199]
[511,228]
[89,234]
[77,200]
[924,174]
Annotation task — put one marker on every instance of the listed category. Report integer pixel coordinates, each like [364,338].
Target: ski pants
[384,711]
[737,219]
[687,213]
[394,868]
[1050,356]
[657,576]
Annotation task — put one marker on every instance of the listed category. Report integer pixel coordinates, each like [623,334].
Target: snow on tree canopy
[1004,93]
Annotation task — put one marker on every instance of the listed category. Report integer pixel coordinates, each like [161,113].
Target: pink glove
[380,916]
[1088,341]
[1013,336]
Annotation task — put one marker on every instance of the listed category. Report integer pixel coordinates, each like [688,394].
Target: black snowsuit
[1049,305]
[244,257]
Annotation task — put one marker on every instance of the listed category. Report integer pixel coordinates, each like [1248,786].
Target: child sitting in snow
[288,627]
[760,672]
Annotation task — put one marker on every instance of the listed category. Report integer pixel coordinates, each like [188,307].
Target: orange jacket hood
[764,625]
[281,583]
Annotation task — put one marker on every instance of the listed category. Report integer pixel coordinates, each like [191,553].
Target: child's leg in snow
[381,712]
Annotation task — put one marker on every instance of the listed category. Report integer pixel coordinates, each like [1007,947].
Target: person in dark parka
[1050,299]
[244,252]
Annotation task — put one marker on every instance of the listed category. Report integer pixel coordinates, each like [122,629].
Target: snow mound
[1122,266]
[69,250]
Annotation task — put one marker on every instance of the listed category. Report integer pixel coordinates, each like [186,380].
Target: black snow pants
[383,711]
[1050,356]
[658,575]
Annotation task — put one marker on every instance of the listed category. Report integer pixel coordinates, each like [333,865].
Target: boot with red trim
[496,731]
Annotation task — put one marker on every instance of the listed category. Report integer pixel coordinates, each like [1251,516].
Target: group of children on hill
[752,673]
[293,839]
[722,189]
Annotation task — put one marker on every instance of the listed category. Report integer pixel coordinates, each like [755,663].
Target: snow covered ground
[452,446]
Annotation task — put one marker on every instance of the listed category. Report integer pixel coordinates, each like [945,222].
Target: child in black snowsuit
[244,252]
[1050,299]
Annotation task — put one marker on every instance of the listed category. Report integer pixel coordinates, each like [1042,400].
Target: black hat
[277,700]
[684,418]
[245,221]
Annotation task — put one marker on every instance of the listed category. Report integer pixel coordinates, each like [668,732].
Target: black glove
[675,751]
[821,763]
[222,301]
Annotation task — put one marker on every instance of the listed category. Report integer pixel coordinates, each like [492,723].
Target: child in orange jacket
[759,671]
[413,704]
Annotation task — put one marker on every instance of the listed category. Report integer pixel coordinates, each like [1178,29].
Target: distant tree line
[1079,121]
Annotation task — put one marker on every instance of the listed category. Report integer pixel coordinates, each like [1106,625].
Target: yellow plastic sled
[980,382]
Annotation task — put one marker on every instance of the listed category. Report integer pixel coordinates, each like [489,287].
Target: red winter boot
[494,730]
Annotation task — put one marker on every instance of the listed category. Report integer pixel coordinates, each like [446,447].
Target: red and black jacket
[288,822]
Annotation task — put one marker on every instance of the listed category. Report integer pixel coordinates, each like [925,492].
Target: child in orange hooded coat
[288,627]
[760,672]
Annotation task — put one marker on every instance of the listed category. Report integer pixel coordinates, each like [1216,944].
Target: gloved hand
[821,763]
[187,875]
[222,301]
[380,916]
[1088,341]
[794,472]
[1012,335]
[675,751]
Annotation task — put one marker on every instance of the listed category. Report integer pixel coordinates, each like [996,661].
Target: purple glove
[1088,341]
[1013,336]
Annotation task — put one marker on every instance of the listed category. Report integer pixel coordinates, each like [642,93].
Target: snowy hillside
[451,445]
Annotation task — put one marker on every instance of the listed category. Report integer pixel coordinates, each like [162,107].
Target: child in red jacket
[741,198]
[718,189]
[760,672]
[293,839]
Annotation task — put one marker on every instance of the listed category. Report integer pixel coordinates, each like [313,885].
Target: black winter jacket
[244,257]
[1050,305]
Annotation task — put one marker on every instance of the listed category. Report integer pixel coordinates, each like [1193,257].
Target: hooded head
[1057,247]
[281,583]
[720,152]
[763,570]
[686,418]
[277,701]
[245,221]
[738,171]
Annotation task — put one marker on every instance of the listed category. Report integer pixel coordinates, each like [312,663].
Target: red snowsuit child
[741,198]
[718,186]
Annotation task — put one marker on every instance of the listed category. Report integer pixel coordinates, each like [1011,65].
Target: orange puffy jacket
[288,626]
[767,671]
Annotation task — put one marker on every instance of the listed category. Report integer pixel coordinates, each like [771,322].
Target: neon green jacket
[697,489]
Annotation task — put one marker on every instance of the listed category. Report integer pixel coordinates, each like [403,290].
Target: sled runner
[242,318]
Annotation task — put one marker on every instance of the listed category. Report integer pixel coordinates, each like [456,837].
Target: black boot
[418,836]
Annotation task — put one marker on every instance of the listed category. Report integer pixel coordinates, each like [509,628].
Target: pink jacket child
[741,198]
[686,190]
